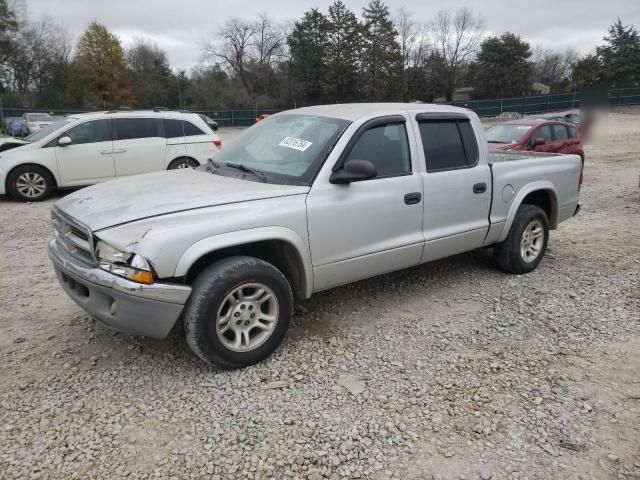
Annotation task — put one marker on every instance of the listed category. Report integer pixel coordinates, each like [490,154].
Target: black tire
[183,162]
[508,254]
[210,291]
[42,178]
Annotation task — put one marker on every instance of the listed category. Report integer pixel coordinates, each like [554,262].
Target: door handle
[480,188]
[412,198]
[106,152]
[122,150]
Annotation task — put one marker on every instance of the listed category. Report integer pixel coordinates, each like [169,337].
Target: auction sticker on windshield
[295,143]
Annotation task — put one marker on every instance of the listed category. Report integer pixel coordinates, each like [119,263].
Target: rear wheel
[238,312]
[183,162]
[30,183]
[524,247]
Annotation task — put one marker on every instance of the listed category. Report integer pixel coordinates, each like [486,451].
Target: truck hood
[142,196]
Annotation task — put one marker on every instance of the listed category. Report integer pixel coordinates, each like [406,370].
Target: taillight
[218,144]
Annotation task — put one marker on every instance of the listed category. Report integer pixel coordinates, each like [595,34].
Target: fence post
[232,122]
[524,106]
[501,105]
[619,96]
[548,98]
[573,100]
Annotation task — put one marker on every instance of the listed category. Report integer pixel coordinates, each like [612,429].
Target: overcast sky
[181,26]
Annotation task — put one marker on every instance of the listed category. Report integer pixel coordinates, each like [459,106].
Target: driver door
[89,157]
[368,227]
[543,132]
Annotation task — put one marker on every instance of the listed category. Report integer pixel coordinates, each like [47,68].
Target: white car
[34,122]
[89,148]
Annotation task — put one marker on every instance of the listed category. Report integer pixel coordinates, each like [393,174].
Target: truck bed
[509,156]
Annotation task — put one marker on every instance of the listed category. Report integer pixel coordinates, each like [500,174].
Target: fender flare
[242,237]
[543,185]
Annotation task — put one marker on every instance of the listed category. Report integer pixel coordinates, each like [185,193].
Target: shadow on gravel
[321,315]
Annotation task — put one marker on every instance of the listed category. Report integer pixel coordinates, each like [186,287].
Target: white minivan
[88,148]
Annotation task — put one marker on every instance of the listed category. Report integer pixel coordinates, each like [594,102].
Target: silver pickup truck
[306,200]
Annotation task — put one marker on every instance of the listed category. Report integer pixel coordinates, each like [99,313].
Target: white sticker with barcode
[295,143]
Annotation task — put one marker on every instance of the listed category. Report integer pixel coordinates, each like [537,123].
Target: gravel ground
[451,370]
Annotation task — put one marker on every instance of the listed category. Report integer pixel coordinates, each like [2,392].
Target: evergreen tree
[620,56]
[309,46]
[343,54]
[503,67]
[587,71]
[381,59]
[153,82]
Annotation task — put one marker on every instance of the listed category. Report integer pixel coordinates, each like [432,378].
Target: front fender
[243,237]
[544,185]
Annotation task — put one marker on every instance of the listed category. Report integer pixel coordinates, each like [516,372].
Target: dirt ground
[469,373]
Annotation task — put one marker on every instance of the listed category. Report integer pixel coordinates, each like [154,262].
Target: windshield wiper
[244,168]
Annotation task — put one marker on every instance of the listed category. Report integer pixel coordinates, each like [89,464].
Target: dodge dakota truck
[306,200]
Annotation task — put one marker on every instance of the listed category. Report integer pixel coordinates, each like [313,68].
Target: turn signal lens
[142,277]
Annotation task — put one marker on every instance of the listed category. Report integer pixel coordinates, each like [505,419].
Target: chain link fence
[485,108]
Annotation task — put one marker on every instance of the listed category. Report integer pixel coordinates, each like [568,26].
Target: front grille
[74,237]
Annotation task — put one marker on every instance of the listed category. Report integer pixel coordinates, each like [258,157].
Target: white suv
[88,148]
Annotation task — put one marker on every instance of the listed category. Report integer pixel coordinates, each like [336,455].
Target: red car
[536,136]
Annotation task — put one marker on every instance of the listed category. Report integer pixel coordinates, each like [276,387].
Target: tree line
[331,56]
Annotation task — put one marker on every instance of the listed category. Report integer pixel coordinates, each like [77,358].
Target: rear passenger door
[457,186]
[138,146]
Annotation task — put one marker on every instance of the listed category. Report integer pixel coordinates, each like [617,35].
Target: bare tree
[408,31]
[457,37]
[41,48]
[554,68]
[233,52]
[268,41]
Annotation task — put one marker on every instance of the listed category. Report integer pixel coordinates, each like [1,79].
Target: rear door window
[448,144]
[132,128]
[573,132]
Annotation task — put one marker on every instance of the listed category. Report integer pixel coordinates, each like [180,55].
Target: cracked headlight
[128,265]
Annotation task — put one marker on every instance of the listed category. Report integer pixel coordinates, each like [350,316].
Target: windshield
[288,149]
[40,117]
[507,133]
[39,135]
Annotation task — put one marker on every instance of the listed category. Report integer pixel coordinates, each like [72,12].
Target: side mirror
[64,141]
[354,170]
[539,141]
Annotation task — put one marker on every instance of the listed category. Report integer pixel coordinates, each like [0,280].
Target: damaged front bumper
[149,310]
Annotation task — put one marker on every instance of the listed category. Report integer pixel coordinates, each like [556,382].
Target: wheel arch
[26,164]
[279,246]
[542,194]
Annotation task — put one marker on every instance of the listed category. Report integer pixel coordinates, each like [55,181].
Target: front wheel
[30,183]
[238,313]
[524,247]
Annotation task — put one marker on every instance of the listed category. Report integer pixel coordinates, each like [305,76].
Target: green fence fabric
[485,108]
